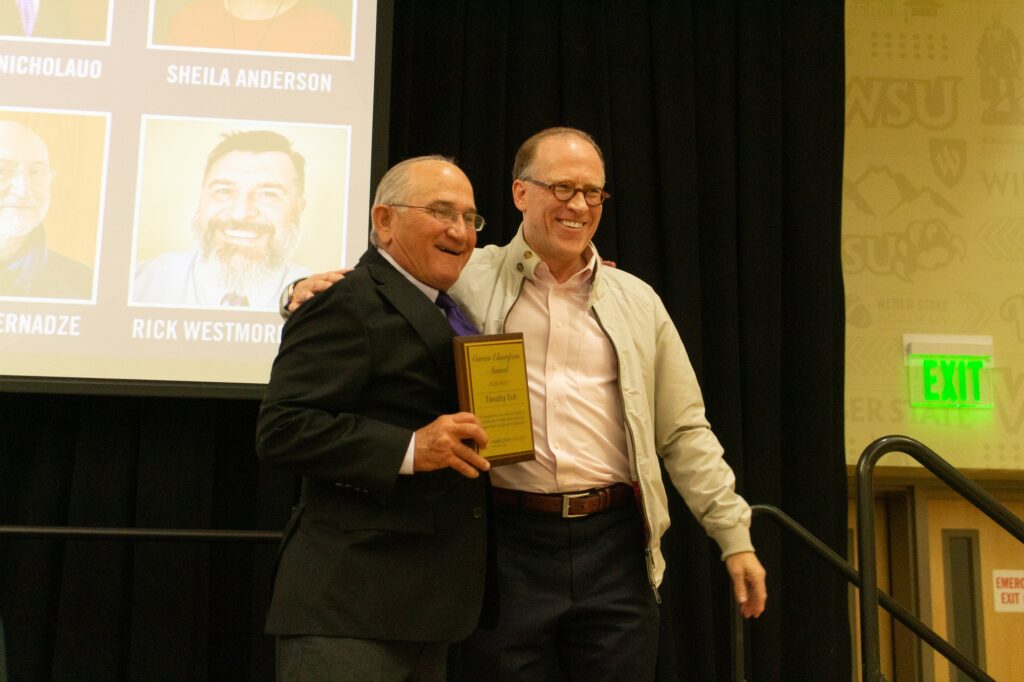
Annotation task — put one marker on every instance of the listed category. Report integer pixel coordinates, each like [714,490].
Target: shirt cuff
[286,298]
[410,458]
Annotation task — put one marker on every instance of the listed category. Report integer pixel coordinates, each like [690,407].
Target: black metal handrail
[869,594]
[839,564]
[122,534]
[141,534]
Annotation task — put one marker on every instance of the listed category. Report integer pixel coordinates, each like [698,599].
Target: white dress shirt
[430,292]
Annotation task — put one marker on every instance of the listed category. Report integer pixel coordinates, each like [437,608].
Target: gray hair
[393,188]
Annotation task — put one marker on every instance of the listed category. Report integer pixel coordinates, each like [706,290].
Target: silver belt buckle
[565,505]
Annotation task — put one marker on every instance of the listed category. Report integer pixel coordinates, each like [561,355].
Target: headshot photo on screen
[55,20]
[320,28]
[245,225]
[50,197]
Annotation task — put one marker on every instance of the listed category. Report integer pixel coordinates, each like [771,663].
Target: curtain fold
[722,129]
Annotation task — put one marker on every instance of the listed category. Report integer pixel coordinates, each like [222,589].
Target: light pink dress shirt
[578,428]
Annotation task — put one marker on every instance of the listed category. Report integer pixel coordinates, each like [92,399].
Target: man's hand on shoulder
[748,584]
[439,445]
[305,289]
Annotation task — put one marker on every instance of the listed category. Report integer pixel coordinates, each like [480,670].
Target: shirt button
[519,267]
[478,512]
[527,254]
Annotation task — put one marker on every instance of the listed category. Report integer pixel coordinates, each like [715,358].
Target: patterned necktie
[234,300]
[456,319]
[27,9]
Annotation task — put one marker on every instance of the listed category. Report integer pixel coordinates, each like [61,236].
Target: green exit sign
[950,380]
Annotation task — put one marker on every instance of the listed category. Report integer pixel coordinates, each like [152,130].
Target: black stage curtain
[722,128]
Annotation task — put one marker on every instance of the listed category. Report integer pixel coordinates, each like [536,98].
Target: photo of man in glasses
[28,267]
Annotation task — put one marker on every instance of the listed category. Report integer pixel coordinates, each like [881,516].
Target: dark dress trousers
[370,553]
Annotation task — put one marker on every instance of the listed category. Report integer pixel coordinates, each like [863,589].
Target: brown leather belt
[567,505]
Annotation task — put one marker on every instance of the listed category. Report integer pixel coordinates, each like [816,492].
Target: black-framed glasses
[563,191]
[447,214]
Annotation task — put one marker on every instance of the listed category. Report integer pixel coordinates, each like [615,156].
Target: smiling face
[431,250]
[25,180]
[248,215]
[560,231]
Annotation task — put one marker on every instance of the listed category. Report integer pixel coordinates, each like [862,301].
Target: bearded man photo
[246,226]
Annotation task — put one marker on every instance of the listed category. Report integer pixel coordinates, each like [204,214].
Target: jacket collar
[523,261]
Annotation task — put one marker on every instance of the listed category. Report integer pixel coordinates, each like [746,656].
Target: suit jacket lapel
[421,313]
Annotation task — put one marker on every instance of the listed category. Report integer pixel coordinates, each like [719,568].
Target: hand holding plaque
[491,374]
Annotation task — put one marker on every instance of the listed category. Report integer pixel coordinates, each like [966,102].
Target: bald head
[559,231]
[16,135]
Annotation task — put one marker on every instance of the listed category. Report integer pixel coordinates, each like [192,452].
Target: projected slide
[167,167]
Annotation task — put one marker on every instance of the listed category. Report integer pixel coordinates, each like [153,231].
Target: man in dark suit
[616,405]
[383,561]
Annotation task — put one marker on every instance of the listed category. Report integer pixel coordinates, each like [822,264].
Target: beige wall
[1004,657]
[933,215]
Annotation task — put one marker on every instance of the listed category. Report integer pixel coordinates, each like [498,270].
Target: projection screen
[166,168]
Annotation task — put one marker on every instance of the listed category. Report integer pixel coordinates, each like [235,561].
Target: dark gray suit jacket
[370,553]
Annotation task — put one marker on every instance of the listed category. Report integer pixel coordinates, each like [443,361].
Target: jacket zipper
[630,444]
[508,310]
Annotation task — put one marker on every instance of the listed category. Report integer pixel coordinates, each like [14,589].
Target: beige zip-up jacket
[662,403]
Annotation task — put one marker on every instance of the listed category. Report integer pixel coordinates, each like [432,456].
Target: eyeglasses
[563,191]
[36,175]
[449,215]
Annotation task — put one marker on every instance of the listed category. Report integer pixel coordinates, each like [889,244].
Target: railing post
[871,667]
[840,565]
[739,673]
[947,473]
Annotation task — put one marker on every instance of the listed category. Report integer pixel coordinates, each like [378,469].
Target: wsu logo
[882,196]
[902,102]
[925,245]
